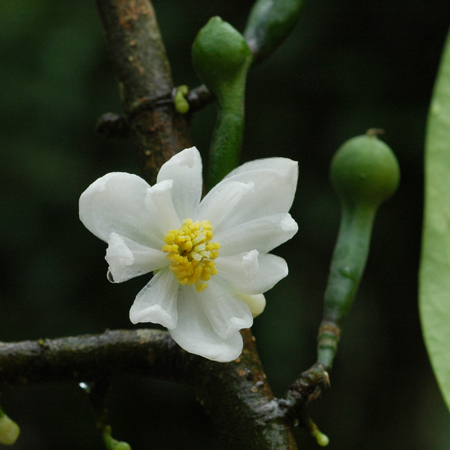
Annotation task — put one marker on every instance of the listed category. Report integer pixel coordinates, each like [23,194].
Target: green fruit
[220,54]
[365,171]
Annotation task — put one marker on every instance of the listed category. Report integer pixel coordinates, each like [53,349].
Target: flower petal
[116,203]
[262,234]
[157,301]
[195,333]
[159,202]
[220,201]
[226,311]
[185,169]
[275,182]
[128,259]
[251,273]
[256,303]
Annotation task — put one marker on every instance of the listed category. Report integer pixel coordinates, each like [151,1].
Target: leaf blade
[434,275]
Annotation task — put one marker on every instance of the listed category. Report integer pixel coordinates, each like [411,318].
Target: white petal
[157,302]
[251,273]
[226,311]
[195,333]
[159,202]
[263,234]
[256,303]
[128,259]
[221,200]
[185,169]
[115,203]
[284,167]
[275,182]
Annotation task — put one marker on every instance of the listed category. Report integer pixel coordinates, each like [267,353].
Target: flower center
[191,254]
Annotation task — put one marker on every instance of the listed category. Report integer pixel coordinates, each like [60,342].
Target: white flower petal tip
[289,225]
[185,169]
[209,258]
[186,159]
[256,303]
[153,314]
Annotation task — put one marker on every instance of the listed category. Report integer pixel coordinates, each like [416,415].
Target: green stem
[347,266]
[228,133]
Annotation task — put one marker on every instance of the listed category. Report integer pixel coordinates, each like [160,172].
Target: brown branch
[235,394]
[140,63]
[84,358]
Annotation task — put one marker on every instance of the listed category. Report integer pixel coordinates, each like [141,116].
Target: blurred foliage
[348,66]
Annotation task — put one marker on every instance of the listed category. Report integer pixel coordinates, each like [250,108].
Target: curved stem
[347,266]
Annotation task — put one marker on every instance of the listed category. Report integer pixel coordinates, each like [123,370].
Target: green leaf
[434,278]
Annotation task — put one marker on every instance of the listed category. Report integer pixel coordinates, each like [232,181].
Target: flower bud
[9,430]
[179,100]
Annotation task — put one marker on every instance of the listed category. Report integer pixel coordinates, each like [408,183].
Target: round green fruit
[365,171]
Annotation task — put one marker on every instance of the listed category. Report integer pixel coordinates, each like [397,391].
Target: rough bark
[236,394]
[140,63]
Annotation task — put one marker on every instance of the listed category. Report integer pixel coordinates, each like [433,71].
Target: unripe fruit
[222,58]
[365,171]
[220,54]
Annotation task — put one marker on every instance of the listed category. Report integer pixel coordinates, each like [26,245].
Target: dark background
[348,66]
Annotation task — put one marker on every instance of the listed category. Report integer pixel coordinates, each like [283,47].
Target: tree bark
[236,394]
[139,60]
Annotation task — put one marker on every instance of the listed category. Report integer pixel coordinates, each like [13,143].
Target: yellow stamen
[191,254]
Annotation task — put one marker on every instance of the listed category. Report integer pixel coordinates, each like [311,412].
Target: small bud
[322,439]
[179,100]
[9,430]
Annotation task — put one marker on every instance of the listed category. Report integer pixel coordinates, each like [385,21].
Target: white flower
[210,258]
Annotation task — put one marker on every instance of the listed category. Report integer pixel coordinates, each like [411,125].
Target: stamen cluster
[191,254]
